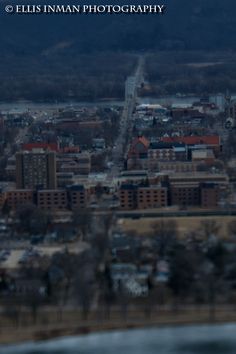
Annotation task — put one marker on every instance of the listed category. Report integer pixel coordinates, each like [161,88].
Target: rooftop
[191,140]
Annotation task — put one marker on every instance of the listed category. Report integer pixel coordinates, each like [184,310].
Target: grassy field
[185,225]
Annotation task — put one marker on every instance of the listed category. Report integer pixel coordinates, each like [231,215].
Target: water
[214,339]
[217,99]
[24,106]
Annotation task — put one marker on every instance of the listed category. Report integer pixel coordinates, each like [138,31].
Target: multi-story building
[205,156]
[142,177]
[78,163]
[78,197]
[133,196]
[36,169]
[65,179]
[128,196]
[152,197]
[182,112]
[74,197]
[165,152]
[54,199]
[209,141]
[185,194]
[200,177]
[177,166]
[210,195]
[19,197]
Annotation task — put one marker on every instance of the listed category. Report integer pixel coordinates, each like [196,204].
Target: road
[137,214]
[131,85]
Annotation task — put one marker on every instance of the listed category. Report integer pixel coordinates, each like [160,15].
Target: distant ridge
[196,24]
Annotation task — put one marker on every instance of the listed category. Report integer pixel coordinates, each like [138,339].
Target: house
[137,154]
[138,147]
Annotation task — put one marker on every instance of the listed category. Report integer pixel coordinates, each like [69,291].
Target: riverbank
[71,324]
[25,106]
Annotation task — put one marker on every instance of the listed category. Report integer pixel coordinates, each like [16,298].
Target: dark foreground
[204,339]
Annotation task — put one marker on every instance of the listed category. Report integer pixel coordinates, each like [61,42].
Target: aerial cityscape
[118,195]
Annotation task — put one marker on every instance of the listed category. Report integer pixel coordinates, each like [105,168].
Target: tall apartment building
[36,169]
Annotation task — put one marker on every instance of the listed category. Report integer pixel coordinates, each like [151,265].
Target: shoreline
[13,335]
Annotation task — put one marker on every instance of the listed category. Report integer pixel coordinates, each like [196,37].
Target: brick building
[176,166]
[185,194]
[18,197]
[78,197]
[133,196]
[162,151]
[167,151]
[77,163]
[128,196]
[54,199]
[210,195]
[152,197]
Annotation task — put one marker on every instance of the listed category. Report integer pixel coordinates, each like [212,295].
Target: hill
[197,24]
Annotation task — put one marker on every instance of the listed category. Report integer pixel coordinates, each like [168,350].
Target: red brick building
[18,197]
[78,197]
[210,195]
[133,196]
[183,194]
[54,199]
[152,197]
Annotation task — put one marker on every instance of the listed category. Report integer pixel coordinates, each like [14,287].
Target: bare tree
[82,218]
[165,233]
[232,228]
[85,282]
[32,219]
[209,228]
[182,272]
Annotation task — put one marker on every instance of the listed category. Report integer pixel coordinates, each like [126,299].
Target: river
[168,100]
[205,339]
[23,106]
